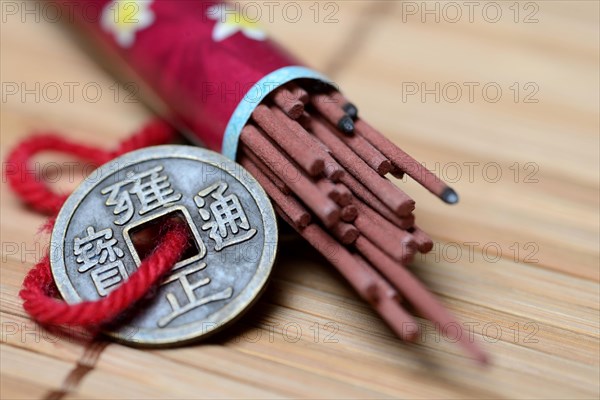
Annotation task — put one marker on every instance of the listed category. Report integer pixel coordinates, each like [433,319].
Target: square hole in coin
[144,237]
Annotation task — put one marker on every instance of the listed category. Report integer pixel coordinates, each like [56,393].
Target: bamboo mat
[516,260]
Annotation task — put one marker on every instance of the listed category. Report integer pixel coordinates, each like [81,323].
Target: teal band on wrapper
[255,96]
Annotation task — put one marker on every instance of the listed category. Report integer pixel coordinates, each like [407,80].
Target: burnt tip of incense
[449,196]
[346,125]
[351,110]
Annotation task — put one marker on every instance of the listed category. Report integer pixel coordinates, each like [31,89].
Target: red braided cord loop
[32,189]
[39,290]
[38,287]
[153,133]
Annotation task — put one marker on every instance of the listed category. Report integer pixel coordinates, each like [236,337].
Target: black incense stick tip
[346,125]
[351,110]
[449,196]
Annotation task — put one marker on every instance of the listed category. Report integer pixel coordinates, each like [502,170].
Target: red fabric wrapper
[189,53]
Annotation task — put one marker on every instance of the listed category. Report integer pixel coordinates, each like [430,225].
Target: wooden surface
[535,308]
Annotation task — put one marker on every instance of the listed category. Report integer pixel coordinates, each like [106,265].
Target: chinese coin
[110,224]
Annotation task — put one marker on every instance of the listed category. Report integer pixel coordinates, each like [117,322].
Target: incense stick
[424,242]
[323,207]
[349,213]
[415,292]
[329,109]
[406,163]
[370,285]
[367,152]
[310,162]
[382,188]
[331,168]
[267,171]
[289,102]
[349,108]
[338,179]
[298,216]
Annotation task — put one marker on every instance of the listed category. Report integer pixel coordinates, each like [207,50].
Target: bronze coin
[109,224]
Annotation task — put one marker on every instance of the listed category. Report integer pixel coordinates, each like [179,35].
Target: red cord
[32,189]
[39,291]
[38,287]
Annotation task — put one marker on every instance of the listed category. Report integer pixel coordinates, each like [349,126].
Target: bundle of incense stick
[324,168]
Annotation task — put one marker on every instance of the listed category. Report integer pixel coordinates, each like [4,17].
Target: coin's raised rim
[231,311]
